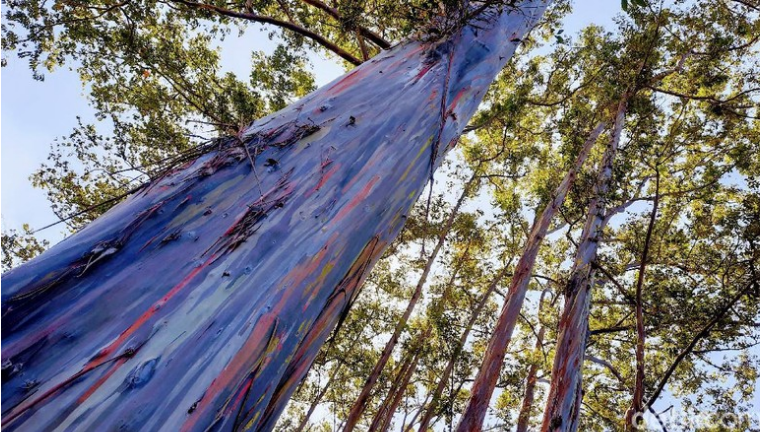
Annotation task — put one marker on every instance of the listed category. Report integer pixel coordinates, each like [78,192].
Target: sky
[34,114]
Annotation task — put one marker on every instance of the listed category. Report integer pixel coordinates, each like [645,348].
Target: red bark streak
[358,199]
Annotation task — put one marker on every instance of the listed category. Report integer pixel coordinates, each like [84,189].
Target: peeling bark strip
[488,375]
[565,392]
[201,301]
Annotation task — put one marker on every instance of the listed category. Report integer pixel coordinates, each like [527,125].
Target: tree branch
[690,347]
[367,33]
[345,55]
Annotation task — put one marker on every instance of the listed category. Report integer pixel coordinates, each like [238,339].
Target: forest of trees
[577,251]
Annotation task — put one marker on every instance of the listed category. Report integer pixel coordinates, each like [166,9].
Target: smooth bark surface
[202,300]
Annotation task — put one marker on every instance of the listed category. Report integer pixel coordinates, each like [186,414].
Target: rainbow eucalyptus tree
[565,392]
[488,374]
[201,300]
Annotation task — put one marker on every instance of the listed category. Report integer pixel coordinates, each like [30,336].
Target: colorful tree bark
[485,382]
[565,392]
[201,301]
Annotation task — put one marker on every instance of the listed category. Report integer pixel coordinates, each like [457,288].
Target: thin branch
[367,33]
[274,21]
[690,347]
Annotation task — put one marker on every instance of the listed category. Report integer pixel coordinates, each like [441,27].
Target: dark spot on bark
[30,385]
[271,164]
[140,375]
[9,370]
[171,237]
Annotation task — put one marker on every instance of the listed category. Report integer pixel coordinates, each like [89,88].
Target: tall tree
[489,372]
[563,402]
[236,302]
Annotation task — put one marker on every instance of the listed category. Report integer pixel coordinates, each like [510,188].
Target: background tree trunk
[637,403]
[488,375]
[523,418]
[565,391]
[361,401]
[202,300]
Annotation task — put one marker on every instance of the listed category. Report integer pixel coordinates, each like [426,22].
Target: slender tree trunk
[485,381]
[565,392]
[379,416]
[390,411]
[317,400]
[199,302]
[523,418]
[341,362]
[357,409]
[430,412]
[410,425]
[420,340]
[637,404]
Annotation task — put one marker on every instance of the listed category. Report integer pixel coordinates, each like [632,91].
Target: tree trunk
[565,391]
[422,337]
[637,403]
[317,400]
[357,409]
[485,382]
[377,420]
[458,350]
[523,418]
[385,416]
[201,302]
